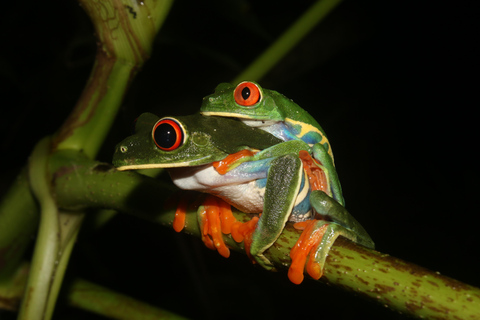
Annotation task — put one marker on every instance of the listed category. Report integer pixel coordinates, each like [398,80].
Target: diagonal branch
[397,284]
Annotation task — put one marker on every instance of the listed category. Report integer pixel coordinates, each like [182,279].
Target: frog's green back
[291,110]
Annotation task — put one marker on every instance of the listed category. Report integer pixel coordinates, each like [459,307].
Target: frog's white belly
[240,190]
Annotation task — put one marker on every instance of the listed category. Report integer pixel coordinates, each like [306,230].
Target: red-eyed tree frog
[281,182]
[277,114]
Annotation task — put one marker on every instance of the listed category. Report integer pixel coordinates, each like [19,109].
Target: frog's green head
[246,100]
[185,141]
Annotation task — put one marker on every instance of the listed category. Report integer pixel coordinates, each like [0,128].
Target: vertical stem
[91,119]
[18,222]
[287,40]
[46,247]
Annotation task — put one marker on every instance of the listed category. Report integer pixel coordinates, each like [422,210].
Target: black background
[392,83]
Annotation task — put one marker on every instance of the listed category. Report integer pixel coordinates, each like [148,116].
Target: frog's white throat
[258,123]
[241,192]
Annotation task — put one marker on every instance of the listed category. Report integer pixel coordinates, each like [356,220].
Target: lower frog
[282,182]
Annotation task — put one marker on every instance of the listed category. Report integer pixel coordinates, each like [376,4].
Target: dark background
[392,83]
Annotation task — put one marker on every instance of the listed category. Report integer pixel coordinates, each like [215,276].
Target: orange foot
[216,219]
[306,246]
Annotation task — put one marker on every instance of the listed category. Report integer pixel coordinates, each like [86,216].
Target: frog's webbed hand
[283,183]
[318,236]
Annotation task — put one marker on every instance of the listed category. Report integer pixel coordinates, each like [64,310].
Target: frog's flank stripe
[307,128]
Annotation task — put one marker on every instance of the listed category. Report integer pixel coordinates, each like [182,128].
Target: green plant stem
[85,295]
[125,40]
[125,32]
[287,41]
[70,224]
[399,285]
[47,244]
[394,283]
[55,239]
[18,222]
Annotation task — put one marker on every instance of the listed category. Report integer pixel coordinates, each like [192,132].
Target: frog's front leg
[318,236]
[283,183]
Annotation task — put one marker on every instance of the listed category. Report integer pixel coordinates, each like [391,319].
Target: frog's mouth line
[224,114]
[156,166]
[139,167]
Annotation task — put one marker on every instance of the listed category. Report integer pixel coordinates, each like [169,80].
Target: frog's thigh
[283,183]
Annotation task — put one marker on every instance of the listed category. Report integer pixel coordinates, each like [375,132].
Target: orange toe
[182,199]
[226,217]
[247,229]
[212,225]
[306,245]
[180,216]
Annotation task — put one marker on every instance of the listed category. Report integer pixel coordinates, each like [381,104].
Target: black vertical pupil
[245,93]
[165,135]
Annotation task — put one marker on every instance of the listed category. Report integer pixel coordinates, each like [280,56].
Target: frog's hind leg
[283,184]
[318,236]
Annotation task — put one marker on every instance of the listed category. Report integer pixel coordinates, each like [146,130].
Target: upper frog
[278,115]
[268,108]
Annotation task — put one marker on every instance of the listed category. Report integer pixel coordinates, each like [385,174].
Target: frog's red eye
[247,94]
[168,134]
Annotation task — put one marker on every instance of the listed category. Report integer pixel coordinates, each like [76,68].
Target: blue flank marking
[312,138]
[291,132]
[281,131]
[304,206]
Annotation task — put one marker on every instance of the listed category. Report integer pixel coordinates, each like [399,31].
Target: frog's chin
[258,123]
[275,128]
